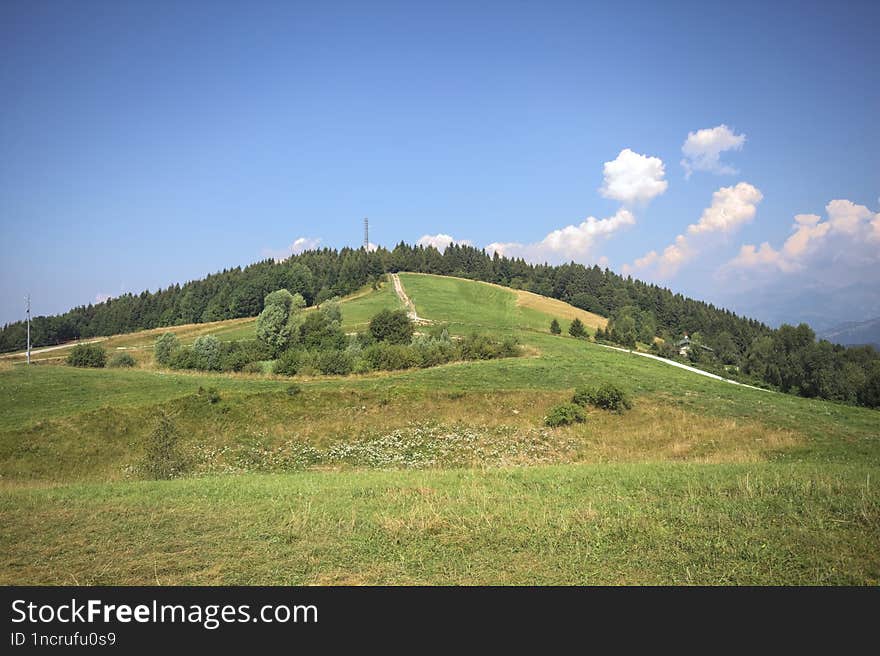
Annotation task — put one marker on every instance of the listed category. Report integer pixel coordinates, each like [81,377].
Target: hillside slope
[439,475]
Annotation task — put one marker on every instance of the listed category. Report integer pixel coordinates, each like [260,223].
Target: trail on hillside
[46,349]
[407,303]
[686,367]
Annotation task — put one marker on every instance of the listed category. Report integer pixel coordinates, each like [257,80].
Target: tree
[279,318]
[165,346]
[206,353]
[554,327]
[272,327]
[576,329]
[393,326]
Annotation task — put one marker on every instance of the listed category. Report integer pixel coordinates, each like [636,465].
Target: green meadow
[444,475]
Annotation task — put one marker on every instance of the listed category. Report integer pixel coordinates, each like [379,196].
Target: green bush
[288,364]
[293,390]
[576,329]
[121,360]
[555,328]
[392,326]
[87,355]
[183,358]
[206,353]
[166,345]
[335,362]
[389,357]
[564,414]
[606,396]
[163,458]
[252,368]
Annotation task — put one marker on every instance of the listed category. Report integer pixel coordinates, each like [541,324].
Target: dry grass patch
[557,308]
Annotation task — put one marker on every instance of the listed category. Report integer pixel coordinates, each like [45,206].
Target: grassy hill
[440,475]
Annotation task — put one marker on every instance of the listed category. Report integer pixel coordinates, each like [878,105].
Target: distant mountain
[854,333]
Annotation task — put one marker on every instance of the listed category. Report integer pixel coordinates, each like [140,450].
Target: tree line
[319,275]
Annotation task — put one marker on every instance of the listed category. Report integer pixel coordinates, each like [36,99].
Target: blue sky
[143,144]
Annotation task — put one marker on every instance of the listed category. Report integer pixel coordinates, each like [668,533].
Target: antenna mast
[28,328]
[366,234]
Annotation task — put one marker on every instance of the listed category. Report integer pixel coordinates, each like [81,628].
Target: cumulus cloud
[731,207]
[440,241]
[702,150]
[100,298]
[633,178]
[299,245]
[573,242]
[846,237]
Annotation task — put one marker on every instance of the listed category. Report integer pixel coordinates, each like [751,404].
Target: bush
[336,362]
[607,397]
[293,390]
[576,329]
[234,360]
[252,368]
[392,326]
[386,356]
[555,329]
[166,345]
[163,458]
[121,360]
[182,358]
[206,353]
[565,414]
[87,355]
[288,364]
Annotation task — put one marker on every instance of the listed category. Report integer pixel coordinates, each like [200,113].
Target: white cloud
[846,217]
[702,150]
[844,238]
[440,241]
[299,245]
[573,242]
[100,298]
[633,178]
[731,207]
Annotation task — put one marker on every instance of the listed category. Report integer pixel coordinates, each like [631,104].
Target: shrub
[206,353]
[288,364]
[318,332]
[163,458]
[336,362]
[576,329]
[166,345]
[121,360]
[293,390]
[392,326]
[182,358]
[390,356]
[87,355]
[252,368]
[564,414]
[234,360]
[607,397]
[555,328]
[477,347]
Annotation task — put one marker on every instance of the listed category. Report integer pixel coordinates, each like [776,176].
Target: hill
[855,333]
[438,475]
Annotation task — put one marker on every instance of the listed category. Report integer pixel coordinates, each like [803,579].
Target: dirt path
[684,366]
[407,303]
[46,349]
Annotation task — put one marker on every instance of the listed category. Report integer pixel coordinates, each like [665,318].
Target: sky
[728,151]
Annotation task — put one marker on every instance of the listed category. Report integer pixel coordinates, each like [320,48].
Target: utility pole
[366,234]
[29,329]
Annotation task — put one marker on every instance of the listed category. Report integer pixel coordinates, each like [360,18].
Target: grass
[441,475]
[616,524]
